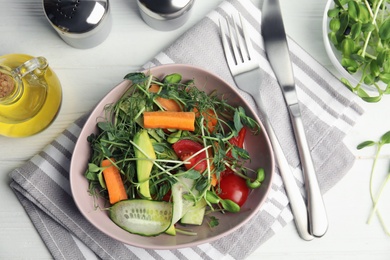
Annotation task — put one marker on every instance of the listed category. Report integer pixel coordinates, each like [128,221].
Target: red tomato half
[185,149]
[234,188]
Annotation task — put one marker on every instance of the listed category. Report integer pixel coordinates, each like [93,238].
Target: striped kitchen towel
[329,112]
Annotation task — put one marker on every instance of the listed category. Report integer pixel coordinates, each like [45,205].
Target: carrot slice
[167,104]
[170,120]
[214,180]
[115,187]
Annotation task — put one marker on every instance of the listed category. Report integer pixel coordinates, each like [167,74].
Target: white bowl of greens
[357,40]
[175,186]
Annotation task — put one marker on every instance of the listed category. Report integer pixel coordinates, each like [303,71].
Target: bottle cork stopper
[7,85]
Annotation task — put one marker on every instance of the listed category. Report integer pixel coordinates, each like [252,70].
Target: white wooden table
[86,75]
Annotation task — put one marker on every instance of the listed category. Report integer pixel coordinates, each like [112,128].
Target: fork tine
[233,36]
[226,46]
[247,40]
[243,46]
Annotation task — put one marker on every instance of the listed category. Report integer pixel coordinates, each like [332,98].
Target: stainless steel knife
[276,48]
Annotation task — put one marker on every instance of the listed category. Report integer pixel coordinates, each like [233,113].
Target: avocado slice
[145,153]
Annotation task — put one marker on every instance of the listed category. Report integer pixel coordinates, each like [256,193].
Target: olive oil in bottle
[30,95]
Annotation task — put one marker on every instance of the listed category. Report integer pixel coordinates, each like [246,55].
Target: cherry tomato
[186,148]
[238,140]
[234,188]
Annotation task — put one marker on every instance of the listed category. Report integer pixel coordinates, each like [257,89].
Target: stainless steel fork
[246,72]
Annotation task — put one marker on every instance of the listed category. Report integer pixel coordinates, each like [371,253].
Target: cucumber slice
[142,217]
[195,214]
[180,205]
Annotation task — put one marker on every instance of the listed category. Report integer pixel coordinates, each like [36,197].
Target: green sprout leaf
[384,30]
[385,139]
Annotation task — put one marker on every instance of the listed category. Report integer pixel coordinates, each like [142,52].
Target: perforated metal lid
[80,23]
[76,16]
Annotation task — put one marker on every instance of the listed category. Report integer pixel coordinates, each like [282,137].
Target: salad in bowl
[172,157]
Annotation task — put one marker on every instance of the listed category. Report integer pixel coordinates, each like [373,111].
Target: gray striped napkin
[329,112]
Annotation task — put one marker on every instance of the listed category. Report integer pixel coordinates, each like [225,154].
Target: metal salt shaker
[82,24]
[165,15]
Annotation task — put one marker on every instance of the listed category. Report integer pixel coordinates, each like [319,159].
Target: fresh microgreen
[360,30]
[384,140]
[213,222]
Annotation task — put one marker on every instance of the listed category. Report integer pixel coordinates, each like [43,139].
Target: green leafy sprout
[360,30]
[384,140]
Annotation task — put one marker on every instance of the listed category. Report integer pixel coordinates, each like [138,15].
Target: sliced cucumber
[143,217]
[195,214]
[181,206]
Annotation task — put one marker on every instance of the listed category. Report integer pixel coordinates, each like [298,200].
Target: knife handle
[318,221]
[297,203]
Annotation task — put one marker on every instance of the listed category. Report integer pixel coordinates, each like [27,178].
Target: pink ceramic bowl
[257,145]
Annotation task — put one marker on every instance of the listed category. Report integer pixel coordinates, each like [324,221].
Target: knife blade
[277,51]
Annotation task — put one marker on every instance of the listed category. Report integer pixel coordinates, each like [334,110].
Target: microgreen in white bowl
[357,40]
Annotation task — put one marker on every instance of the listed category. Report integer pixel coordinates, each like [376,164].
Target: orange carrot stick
[167,104]
[210,118]
[116,189]
[170,120]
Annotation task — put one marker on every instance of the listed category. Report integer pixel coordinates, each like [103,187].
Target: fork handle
[316,208]
[297,203]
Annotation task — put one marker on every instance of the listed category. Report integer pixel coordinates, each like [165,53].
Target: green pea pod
[101,180]
[260,176]
[172,78]
[174,137]
[230,206]
[254,184]
[212,197]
